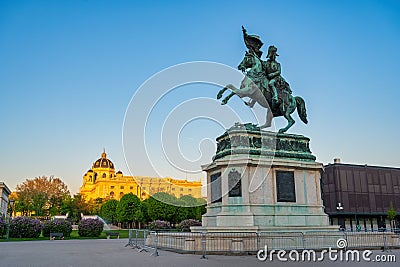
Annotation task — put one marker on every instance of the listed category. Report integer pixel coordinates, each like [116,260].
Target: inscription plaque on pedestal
[216,192]
[235,183]
[285,186]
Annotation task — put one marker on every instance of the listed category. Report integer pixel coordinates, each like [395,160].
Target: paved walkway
[76,253]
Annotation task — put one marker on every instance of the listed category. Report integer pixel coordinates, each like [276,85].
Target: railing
[251,242]
[137,240]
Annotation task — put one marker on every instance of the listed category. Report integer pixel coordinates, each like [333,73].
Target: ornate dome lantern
[103,163]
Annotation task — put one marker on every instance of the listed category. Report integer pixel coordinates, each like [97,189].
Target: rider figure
[273,70]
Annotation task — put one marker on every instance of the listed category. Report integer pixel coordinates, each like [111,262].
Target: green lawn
[74,235]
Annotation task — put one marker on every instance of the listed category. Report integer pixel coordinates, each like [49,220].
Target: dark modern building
[359,196]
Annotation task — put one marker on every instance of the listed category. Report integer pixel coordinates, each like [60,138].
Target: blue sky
[68,70]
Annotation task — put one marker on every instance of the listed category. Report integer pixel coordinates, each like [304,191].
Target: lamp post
[340,208]
[11,203]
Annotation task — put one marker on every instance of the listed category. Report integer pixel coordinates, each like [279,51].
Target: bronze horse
[255,86]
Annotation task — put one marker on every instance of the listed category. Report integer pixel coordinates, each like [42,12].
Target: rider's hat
[272,50]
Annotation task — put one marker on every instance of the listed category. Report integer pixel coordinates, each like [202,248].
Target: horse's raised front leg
[226,99]
[231,87]
[220,93]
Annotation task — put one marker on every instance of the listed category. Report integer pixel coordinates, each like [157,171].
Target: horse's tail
[301,109]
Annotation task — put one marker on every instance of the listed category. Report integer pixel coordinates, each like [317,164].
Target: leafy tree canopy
[128,208]
[108,210]
[42,195]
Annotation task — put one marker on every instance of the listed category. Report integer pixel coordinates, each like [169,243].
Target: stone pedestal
[263,181]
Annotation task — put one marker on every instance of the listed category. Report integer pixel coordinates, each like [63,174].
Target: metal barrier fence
[281,240]
[251,242]
[137,240]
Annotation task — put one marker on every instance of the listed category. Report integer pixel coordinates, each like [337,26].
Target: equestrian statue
[264,85]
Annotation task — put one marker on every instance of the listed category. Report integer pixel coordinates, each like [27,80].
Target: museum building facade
[357,197]
[101,181]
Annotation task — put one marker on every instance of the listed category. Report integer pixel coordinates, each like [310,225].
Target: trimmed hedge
[57,226]
[25,227]
[90,228]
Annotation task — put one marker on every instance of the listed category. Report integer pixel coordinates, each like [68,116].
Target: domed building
[101,181]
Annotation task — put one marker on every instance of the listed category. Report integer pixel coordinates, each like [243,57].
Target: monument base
[263,181]
[255,229]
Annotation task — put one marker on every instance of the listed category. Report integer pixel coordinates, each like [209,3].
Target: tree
[181,211]
[41,195]
[128,209]
[391,214]
[95,205]
[145,211]
[159,208]
[74,206]
[202,207]
[108,210]
[166,207]
[193,206]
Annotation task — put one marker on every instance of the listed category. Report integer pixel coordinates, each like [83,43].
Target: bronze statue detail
[264,85]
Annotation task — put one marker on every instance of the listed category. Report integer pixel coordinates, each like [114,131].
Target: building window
[181,189]
[112,187]
[104,175]
[131,187]
[190,190]
[111,194]
[122,187]
[173,189]
[121,194]
[110,175]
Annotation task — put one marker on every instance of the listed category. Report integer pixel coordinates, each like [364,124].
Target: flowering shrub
[25,227]
[3,227]
[185,224]
[157,225]
[90,227]
[57,226]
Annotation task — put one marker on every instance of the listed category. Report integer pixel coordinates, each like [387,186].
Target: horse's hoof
[223,103]
[264,126]
[248,104]
[281,131]
[219,95]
